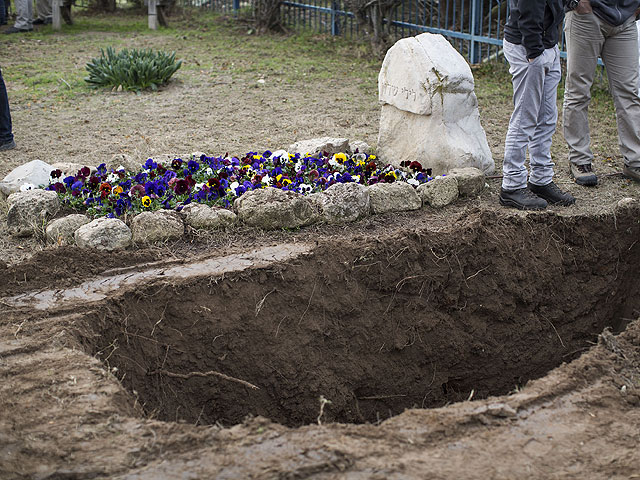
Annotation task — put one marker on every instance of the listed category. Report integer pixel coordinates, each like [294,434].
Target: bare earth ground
[398,312]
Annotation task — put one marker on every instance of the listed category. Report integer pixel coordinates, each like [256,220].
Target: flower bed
[218,181]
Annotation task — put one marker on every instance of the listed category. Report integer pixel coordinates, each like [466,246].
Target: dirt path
[423,287]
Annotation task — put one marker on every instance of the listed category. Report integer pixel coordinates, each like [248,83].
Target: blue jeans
[3,13]
[6,134]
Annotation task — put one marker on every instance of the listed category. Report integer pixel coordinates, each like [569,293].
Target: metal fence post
[335,28]
[474,47]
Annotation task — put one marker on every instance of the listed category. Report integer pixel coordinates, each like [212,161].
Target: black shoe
[522,198]
[583,175]
[8,145]
[631,172]
[17,30]
[552,194]
[38,21]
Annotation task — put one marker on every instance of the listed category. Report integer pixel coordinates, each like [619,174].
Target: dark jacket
[614,12]
[534,24]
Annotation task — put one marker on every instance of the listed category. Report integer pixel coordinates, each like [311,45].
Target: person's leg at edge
[620,56]
[541,164]
[24,15]
[584,41]
[6,133]
[528,83]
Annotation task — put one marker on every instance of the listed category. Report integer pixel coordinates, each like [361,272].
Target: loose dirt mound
[351,330]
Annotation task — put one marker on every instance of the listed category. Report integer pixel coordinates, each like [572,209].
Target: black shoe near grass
[631,172]
[522,199]
[17,30]
[8,145]
[552,194]
[583,175]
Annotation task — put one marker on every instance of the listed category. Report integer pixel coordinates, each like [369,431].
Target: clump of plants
[133,69]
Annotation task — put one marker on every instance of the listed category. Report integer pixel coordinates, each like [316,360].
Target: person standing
[24,17]
[605,29]
[531,47]
[6,135]
[3,13]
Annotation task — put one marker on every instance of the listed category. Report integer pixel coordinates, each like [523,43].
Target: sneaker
[8,145]
[17,30]
[552,194]
[41,21]
[583,175]
[631,172]
[522,198]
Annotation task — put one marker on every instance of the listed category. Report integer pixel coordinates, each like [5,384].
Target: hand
[584,7]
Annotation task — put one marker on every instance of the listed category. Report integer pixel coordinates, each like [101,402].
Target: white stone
[393,197]
[344,202]
[158,226]
[324,144]
[29,211]
[62,230]
[429,109]
[471,181]
[272,208]
[198,215]
[104,234]
[361,147]
[439,191]
[36,172]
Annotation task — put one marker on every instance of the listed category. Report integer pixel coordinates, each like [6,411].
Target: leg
[3,13]
[528,86]
[6,135]
[24,14]
[43,10]
[620,56]
[540,145]
[584,42]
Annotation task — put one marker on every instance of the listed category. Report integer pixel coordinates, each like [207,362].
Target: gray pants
[44,10]
[588,38]
[24,14]
[534,118]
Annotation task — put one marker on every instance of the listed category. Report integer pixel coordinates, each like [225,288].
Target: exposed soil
[141,364]
[383,319]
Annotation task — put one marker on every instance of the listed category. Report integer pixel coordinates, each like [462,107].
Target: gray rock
[393,197]
[123,160]
[361,147]
[36,173]
[439,191]
[29,211]
[198,215]
[159,226]
[61,231]
[344,202]
[429,109]
[471,180]
[324,144]
[104,234]
[272,208]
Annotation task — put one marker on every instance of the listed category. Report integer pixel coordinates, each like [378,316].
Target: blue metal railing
[474,27]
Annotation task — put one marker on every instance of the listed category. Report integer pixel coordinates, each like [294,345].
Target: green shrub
[131,69]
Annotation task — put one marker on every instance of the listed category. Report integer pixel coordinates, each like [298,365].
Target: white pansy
[413,181]
[209,171]
[27,186]
[233,186]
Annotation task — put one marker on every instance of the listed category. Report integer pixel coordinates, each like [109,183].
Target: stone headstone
[159,226]
[61,231]
[429,109]
[439,191]
[393,197]
[344,202]
[272,209]
[104,234]
[324,144]
[198,215]
[28,211]
[36,173]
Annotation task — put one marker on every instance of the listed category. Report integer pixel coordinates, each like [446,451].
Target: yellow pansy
[146,201]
